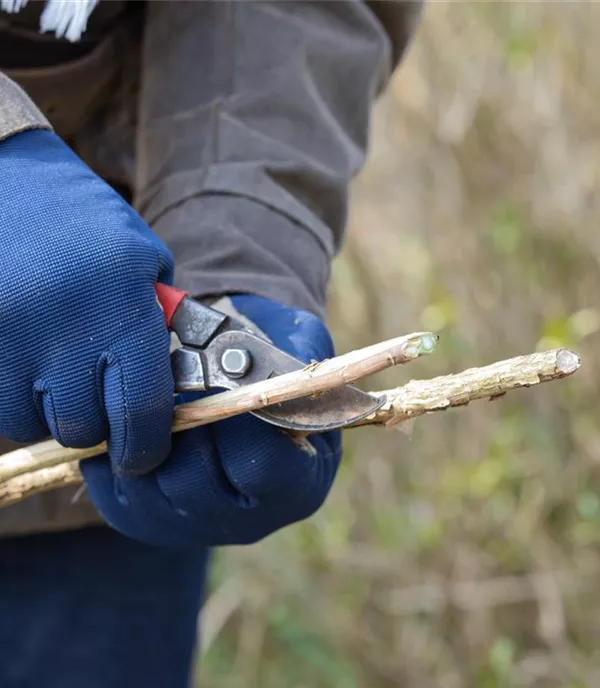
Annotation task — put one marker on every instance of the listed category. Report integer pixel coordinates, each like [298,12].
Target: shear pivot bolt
[235,362]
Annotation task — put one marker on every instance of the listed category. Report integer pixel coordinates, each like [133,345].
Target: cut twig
[47,466]
[315,378]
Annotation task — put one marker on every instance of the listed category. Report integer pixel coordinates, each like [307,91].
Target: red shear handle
[169,299]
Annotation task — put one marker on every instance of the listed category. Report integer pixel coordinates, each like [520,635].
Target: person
[207,145]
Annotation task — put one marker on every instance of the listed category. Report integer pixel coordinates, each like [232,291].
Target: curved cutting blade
[328,410]
[334,409]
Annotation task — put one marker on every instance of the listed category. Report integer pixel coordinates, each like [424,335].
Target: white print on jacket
[67,18]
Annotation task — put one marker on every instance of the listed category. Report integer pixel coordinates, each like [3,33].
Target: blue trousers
[92,609]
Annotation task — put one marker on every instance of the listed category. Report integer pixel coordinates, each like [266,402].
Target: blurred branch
[48,465]
[477,594]
[218,609]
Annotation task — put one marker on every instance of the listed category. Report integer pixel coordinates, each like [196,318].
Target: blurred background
[467,554]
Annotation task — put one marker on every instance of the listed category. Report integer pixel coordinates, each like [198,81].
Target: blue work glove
[84,350]
[232,482]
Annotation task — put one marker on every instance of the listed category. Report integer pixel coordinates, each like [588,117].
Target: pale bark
[47,465]
[418,397]
[41,480]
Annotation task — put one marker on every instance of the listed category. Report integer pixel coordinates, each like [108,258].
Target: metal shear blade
[334,408]
[219,351]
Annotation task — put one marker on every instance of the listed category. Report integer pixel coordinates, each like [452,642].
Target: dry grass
[469,554]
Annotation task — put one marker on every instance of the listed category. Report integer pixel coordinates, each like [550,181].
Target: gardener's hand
[232,482]
[84,349]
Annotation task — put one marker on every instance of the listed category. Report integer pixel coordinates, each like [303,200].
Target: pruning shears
[218,351]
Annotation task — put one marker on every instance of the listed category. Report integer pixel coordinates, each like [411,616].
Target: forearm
[252,125]
[17,111]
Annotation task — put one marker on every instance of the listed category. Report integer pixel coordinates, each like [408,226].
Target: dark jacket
[234,127]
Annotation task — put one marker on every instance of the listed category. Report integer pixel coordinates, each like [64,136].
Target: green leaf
[502,656]
[506,229]
[588,505]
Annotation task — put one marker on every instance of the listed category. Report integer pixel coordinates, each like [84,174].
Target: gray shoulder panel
[17,111]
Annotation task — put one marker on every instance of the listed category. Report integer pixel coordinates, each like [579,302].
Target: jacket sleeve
[253,119]
[17,111]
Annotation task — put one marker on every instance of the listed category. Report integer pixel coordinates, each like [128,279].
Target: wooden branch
[312,379]
[490,382]
[41,480]
[315,378]
[43,467]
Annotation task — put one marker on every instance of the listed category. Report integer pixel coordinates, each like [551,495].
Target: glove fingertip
[99,481]
[140,424]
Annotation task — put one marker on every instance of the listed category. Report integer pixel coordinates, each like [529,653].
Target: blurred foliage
[469,553]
